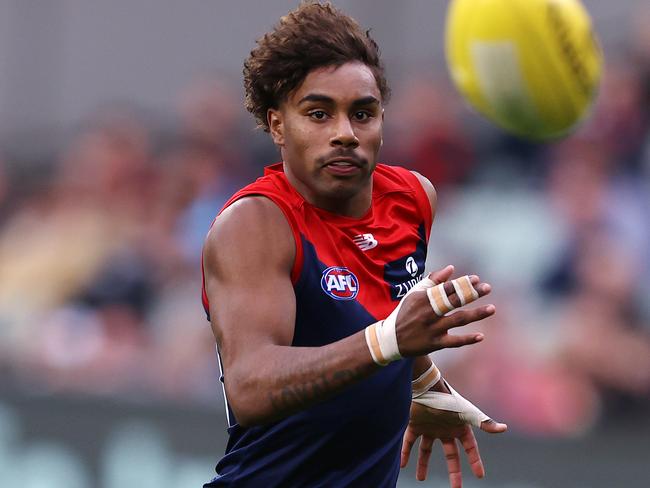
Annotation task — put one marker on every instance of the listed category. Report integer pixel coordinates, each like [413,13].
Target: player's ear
[276,125]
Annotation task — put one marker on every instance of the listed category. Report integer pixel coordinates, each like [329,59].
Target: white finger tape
[465,291]
[439,300]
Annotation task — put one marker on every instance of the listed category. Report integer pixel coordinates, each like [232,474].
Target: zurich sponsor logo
[404,273]
[412,266]
[339,283]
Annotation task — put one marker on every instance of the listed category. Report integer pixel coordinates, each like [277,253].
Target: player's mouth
[343,166]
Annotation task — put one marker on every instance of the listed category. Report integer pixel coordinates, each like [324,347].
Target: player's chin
[343,188]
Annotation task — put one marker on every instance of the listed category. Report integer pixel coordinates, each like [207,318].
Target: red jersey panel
[376,247]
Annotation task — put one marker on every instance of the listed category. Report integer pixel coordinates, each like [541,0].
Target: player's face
[329,131]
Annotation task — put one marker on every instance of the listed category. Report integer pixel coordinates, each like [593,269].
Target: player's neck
[355,206]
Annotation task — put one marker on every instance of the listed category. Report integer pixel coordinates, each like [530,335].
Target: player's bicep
[248,257]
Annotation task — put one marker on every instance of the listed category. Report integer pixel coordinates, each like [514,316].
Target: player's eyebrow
[317,97]
[369,100]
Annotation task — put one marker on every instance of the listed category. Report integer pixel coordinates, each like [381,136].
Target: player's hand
[420,331]
[430,424]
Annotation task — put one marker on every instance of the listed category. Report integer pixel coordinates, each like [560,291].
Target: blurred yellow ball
[531,66]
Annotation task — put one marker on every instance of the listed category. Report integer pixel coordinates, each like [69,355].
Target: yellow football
[531,66]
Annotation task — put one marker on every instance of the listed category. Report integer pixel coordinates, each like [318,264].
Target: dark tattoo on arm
[292,398]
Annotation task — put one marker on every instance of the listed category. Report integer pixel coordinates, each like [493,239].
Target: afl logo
[339,283]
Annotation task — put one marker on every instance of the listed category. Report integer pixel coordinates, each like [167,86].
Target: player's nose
[343,134]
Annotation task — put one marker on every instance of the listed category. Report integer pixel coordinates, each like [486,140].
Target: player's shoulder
[251,227]
[249,216]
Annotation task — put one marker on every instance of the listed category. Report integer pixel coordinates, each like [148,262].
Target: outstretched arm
[248,257]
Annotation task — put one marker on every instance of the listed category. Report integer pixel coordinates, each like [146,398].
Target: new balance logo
[365,241]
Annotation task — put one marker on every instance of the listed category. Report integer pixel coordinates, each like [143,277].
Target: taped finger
[439,296]
[439,300]
[465,290]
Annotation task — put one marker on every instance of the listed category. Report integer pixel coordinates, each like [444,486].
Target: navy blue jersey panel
[402,274]
[352,439]
[319,318]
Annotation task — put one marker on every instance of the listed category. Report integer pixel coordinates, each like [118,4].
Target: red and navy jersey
[347,274]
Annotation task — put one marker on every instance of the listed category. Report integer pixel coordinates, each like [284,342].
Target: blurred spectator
[424,134]
[640,53]
[61,252]
[601,334]
[619,121]
[211,158]
[3,188]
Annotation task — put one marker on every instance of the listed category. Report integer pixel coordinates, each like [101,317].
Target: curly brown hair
[312,36]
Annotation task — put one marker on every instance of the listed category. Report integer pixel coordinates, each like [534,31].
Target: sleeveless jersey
[347,274]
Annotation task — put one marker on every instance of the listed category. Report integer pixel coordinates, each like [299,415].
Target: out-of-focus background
[122,132]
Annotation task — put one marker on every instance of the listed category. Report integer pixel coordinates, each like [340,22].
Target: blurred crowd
[100,246]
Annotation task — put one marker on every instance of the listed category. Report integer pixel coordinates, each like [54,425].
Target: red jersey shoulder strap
[289,213]
[396,178]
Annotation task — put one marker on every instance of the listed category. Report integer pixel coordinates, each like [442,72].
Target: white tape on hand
[381,337]
[439,300]
[465,291]
[453,402]
[425,381]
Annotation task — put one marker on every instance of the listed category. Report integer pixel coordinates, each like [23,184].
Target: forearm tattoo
[296,397]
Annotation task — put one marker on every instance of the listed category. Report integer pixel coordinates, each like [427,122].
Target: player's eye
[361,115]
[317,114]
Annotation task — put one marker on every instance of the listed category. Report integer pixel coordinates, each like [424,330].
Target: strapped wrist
[425,381]
[381,339]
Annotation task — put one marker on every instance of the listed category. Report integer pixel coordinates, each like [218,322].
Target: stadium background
[122,132]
